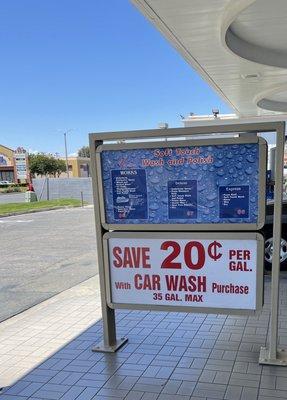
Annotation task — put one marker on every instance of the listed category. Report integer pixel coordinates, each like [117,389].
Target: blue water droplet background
[232,165]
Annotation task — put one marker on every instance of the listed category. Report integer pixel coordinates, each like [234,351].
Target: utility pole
[66,153]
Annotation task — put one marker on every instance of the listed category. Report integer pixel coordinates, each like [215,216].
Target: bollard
[82,199]
[48,189]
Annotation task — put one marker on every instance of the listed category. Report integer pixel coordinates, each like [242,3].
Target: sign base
[280,360]
[103,348]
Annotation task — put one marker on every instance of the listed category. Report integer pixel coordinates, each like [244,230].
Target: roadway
[12,198]
[43,254]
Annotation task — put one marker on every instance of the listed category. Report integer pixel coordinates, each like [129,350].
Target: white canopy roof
[238,46]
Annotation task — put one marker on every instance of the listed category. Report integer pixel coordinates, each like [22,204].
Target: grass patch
[11,208]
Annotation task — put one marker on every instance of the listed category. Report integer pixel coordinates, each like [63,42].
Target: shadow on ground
[169,356]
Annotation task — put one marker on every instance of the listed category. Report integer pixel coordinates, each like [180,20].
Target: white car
[5,183]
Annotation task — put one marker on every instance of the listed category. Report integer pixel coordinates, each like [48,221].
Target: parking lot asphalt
[43,254]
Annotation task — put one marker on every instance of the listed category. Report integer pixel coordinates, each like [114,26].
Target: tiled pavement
[169,356]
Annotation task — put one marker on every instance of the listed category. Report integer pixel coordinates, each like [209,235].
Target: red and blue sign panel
[207,184]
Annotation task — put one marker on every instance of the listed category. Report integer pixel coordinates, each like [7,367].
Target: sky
[89,66]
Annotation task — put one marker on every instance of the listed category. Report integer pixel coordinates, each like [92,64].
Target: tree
[43,164]
[60,166]
[84,152]
[38,164]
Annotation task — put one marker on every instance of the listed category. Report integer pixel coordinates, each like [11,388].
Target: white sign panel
[21,165]
[205,273]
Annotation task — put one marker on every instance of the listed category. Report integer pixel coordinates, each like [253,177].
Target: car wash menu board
[205,184]
[129,193]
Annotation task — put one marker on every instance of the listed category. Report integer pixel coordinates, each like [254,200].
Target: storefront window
[7,176]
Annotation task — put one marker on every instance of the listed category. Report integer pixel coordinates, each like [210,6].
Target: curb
[36,211]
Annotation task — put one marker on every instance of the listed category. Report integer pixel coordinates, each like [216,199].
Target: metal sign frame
[188,235]
[246,139]
[268,355]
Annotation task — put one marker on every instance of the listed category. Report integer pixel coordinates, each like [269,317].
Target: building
[191,119]
[7,171]
[79,167]
[14,165]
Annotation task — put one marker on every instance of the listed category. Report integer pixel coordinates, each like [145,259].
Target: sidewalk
[31,337]
[170,356]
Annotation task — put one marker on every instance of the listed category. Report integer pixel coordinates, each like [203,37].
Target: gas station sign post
[177,222]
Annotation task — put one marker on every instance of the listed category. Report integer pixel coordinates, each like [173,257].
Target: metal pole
[82,199]
[279,165]
[66,154]
[48,189]
[110,343]
[273,355]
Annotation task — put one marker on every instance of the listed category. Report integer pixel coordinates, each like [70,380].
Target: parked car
[268,234]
